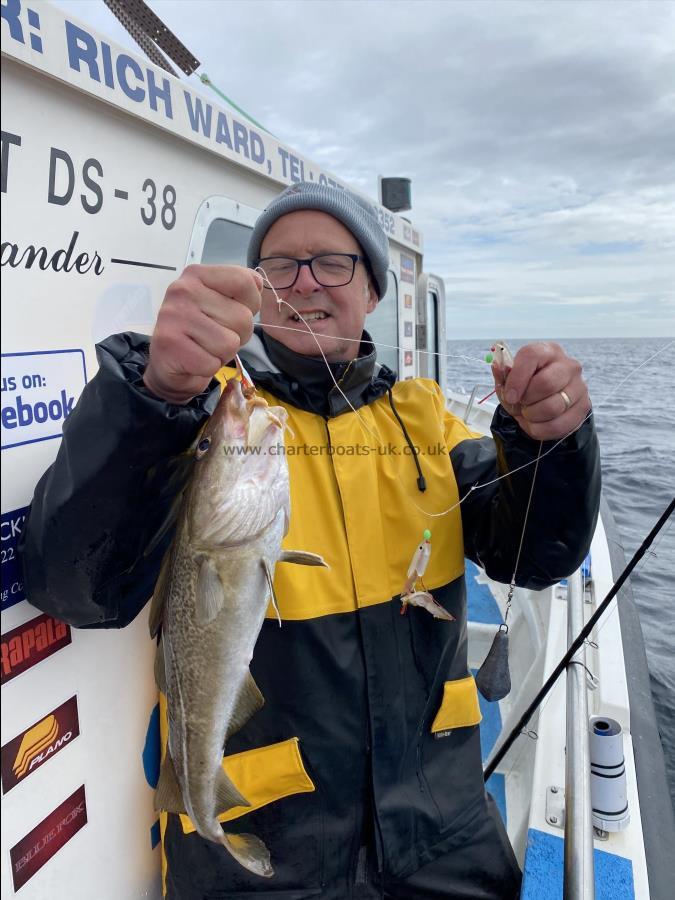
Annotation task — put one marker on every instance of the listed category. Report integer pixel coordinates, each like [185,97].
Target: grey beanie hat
[355,213]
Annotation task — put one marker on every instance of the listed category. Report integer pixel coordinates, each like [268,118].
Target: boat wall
[102,201]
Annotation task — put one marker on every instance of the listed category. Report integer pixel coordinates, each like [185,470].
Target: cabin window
[226,242]
[382,325]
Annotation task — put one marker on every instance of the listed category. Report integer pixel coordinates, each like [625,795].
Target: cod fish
[209,605]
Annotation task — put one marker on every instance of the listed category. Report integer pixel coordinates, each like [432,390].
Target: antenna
[150,33]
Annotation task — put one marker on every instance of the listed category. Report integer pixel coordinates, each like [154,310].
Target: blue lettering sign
[81,49]
[199,114]
[11,525]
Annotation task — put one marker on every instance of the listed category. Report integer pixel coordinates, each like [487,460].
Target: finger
[513,409]
[235,282]
[557,404]
[552,378]
[528,360]
[219,340]
[176,357]
[187,300]
[555,429]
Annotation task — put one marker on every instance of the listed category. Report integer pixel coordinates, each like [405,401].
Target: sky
[539,138]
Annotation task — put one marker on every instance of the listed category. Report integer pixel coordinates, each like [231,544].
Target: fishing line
[379,343]
[330,372]
[532,462]
[577,642]
[475,487]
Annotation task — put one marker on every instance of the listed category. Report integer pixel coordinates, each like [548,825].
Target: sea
[632,388]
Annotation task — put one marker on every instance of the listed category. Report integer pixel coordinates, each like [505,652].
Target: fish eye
[202,448]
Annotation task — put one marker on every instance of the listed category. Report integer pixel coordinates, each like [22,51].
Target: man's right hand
[205,317]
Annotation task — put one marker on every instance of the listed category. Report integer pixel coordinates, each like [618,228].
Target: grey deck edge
[658,822]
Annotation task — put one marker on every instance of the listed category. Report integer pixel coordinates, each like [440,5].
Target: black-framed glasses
[328,269]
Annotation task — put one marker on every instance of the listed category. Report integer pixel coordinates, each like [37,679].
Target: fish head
[240,478]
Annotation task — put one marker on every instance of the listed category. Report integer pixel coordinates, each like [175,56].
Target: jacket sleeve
[563,511]
[103,514]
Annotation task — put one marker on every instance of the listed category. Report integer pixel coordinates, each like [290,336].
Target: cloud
[539,138]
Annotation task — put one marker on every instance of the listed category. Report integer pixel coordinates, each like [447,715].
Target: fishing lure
[410,595]
[504,359]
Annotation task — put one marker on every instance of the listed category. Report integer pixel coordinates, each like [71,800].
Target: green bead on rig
[488,357]
[427,534]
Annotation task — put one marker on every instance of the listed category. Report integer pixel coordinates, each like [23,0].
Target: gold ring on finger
[566,400]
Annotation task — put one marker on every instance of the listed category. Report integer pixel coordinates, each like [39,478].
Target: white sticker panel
[39,390]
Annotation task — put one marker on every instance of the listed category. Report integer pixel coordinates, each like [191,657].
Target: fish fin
[270,582]
[250,852]
[249,701]
[210,593]
[160,594]
[160,670]
[303,558]
[227,796]
[168,796]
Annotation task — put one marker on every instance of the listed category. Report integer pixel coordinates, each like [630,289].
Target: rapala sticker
[40,844]
[30,643]
[11,526]
[407,268]
[408,358]
[39,743]
[39,390]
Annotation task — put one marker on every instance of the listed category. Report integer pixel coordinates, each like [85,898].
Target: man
[381,791]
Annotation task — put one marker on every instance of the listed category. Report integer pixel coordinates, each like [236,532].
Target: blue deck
[543,871]
[482,607]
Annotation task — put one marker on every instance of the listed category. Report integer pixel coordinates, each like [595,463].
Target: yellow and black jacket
[361,701]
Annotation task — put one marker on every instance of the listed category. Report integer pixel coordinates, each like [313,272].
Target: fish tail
[250,852]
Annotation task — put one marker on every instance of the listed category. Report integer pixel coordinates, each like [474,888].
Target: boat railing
[579,880]
[478,390]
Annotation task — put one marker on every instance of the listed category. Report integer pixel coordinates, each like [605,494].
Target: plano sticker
[40,844]
[30,643]
[39,390]
[39,743]
[407,329]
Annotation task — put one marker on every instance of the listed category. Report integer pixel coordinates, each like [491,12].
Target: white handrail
[579,878]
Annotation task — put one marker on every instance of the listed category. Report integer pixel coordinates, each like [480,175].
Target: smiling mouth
[310,317]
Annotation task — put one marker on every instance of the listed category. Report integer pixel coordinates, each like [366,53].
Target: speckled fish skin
[214,595]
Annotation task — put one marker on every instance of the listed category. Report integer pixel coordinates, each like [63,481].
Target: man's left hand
[544,391]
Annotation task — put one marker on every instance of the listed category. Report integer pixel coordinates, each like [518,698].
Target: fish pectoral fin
[210,593]
[227,796]
[303,558]
[270,583]
[160,594]
[160,670]
[250,852]
[168,796]
[249,701]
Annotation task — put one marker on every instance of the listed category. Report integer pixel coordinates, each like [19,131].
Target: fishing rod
[577,642]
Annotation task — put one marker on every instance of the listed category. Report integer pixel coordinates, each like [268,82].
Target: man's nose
[306,283]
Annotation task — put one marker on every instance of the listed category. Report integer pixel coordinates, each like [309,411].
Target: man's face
[300,235]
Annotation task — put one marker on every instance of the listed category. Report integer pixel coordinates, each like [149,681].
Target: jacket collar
[305,382]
